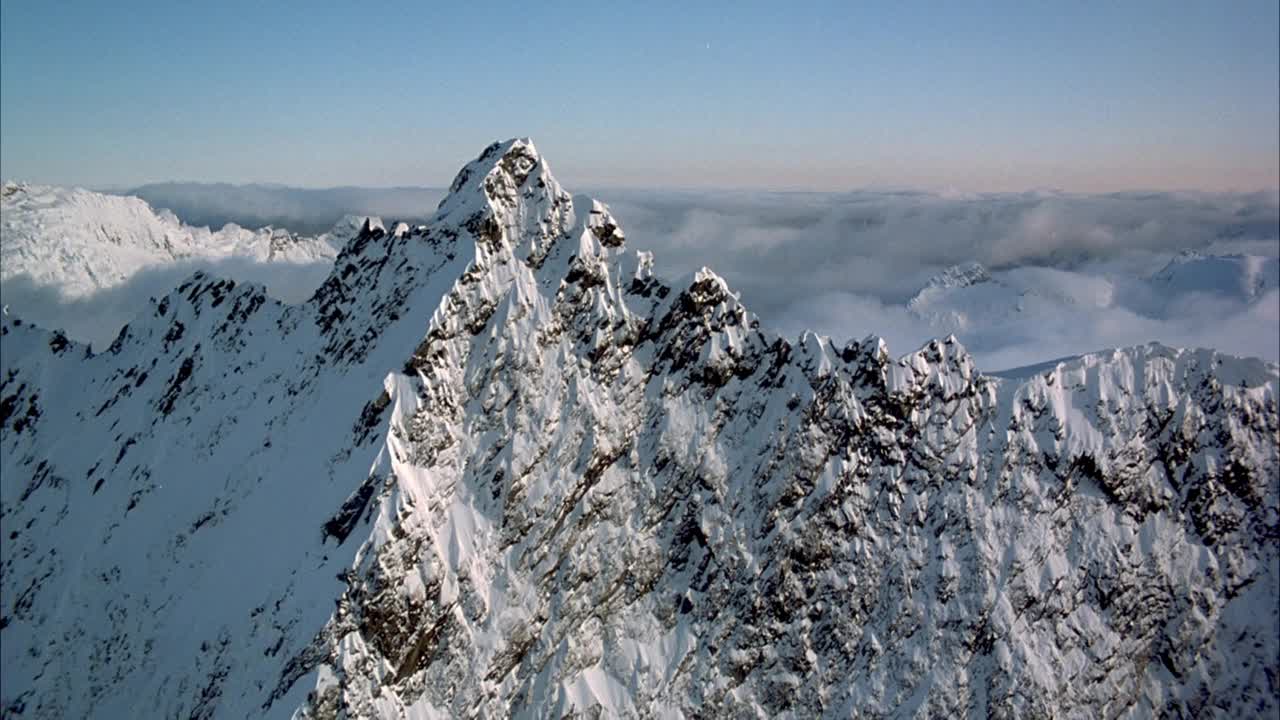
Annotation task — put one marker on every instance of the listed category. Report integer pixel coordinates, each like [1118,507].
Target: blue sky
[983,96]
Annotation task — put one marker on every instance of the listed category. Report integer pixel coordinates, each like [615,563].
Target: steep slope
[80,242]
[494,467]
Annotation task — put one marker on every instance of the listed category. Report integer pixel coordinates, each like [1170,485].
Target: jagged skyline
[496,467]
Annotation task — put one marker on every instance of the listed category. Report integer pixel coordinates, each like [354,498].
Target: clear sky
[982,96]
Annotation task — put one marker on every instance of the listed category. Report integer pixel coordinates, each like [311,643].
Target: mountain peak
[372,227]
[961,275]
[501,169]
[496,467]
[508,196]
[953,278]
[504,210]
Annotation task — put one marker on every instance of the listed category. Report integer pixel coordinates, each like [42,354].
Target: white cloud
[845,265]
[302,210]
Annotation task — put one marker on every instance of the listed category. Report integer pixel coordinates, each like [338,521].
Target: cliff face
[495,467]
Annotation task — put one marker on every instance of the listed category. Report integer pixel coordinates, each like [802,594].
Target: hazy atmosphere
[1089,148]
[1005,96]
[848,264]
[827,159]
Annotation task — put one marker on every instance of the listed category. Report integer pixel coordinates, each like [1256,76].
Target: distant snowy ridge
[962,275]
[993,307]
[496,467]
[81,242]
[1245,277]
[306,211]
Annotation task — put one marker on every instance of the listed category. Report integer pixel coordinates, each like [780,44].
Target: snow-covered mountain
[305,210]
[81,242]
[1193,295]
[1240,277]
[969,296]
[496,468]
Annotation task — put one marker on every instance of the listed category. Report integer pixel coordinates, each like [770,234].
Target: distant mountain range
[303,210]
[968,295]
[82,242]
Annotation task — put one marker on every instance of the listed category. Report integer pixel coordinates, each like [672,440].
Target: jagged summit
[955,277]
[494,187]
[350,226]
[496,467]
[509,192]
[501,164]
[931,302]
[372,226]
[959,276]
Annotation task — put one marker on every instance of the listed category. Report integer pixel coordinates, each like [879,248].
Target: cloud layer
[846,265]
[1072,273]
[302,210]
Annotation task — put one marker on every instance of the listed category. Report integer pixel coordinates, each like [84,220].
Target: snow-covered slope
[496,468]
[968,296]
[1239,277]
[80,242]
[1219,300]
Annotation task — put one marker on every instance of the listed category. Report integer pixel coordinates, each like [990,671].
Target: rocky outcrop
[496,467]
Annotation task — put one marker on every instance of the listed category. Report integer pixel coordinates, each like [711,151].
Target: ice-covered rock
[495,467]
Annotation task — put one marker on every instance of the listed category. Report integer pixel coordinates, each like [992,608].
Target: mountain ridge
[81,242]
[577,488]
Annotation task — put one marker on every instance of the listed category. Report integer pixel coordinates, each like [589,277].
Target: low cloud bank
[846,265]
[302,210]
[1251,329]
[1076,270]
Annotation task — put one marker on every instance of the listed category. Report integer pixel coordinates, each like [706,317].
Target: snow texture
[81,242]
[495,467]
